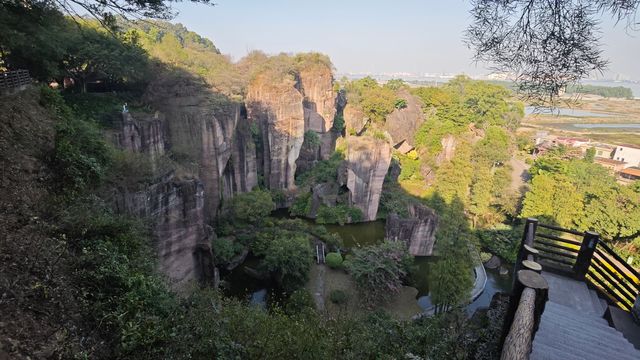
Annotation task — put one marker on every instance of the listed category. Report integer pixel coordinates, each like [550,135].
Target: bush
[299,301]
[311,138]
[223,250]
[338,123]
[334,260]
[378,270]
[287,255]
[301,206]
[339,214]
[252,207]
[338,297]
[81,154]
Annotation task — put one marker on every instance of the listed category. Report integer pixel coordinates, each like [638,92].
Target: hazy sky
[368,36]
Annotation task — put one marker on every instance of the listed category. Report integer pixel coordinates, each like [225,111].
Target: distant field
[592,110]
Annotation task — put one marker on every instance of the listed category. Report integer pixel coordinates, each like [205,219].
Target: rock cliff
[274,105]
[143,134]
[368,161]
[283,107]
[417,231]
[354,119]
[207,131]
[181,238]
[402,124]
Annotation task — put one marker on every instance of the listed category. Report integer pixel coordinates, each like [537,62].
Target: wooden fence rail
[13,80]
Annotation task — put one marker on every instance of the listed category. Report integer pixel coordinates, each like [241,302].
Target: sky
[371,36]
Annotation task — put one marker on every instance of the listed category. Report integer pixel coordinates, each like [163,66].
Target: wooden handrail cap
[531,249]
[532,265]
[532,279]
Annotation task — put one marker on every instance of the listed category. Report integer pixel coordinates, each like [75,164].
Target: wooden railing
[585,256]
[12,80]
[529,295]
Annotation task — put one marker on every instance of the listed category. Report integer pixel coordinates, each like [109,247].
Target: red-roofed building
[630,174]
[613,165]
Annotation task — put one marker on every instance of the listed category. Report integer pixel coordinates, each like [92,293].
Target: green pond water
[259,292]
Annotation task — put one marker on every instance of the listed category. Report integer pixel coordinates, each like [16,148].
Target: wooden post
[585,254]
[523,318]
[528,235]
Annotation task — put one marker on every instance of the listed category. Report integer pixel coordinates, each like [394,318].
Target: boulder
[493,263]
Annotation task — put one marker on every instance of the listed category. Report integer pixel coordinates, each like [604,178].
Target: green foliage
[252,207]
[338,296]
[311,138]
[502,240]
[223,249]
[453,178]
[299,301]
[378,270]
[579,194]
[604,91]
[338,124]
[334,260]
[301,206]
[400,104]
[81,155]
[494,147]
[590,154]
[409,168]
[323,171]
[288,257]
[339,214]
[451,277]
[375,101]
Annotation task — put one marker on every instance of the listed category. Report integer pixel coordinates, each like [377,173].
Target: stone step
[548,352]
[587,348]
[595,301]
[571,293]
[592,335]
[563,311]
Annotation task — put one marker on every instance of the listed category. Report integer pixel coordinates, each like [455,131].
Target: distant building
[629,174]
[571,141]
[614,166]
[629,154]
[602,150]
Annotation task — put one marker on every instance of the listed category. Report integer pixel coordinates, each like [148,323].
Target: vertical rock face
[417,232]
[276,108]
[182,240]
[354,119]
[316,83]
[402,124]
[368,161]
[143,134]
[207,129]
[449,144]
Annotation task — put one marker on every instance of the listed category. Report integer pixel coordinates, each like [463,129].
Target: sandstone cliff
[283,107]
[354,119]
[274,105]
[181,238]
[368,161]
[417,231]
[402,124]
[207,131]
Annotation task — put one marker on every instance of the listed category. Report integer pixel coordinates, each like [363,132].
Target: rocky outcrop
[181,238]
[417,231]
[207,133]
[323,194]
[368,161]
[449,144]
[143,133]
[402,124]
[275,106]
[354,119]
[316,84]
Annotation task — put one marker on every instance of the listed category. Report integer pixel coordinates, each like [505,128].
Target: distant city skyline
[375,37]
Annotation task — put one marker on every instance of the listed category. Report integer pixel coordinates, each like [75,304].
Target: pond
[530,110]
[260,292]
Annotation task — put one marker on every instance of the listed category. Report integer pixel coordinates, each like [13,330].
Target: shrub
[287,255]
[311,138]
[252,207]
[301,206]
[338,297]
[339,214]
[338,123]
[223,250]
[378,270]
[299,301]
[334,260]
